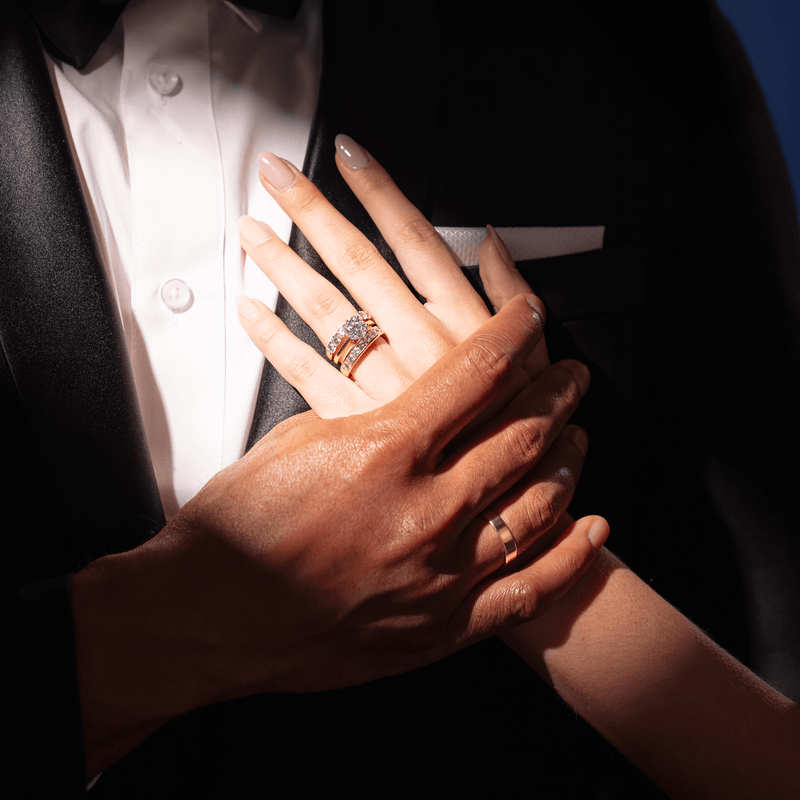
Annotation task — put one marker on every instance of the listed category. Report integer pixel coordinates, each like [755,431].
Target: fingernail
[501,247]
[538,309]
[598,533]
[248,310]
[353,154]
[253,231]
[275,171]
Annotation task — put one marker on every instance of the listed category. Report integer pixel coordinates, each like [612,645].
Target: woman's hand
[417,335]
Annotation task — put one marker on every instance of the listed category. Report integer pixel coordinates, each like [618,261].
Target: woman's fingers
[425,258]
[375,286]
[379,373]
[502,281]
[314,298]
[325,389]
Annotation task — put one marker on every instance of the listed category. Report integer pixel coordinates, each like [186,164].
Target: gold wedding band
[352,340]
[502,530]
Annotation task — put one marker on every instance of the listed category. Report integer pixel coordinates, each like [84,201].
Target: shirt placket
[178,223]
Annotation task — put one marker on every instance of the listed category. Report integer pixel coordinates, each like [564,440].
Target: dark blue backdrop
[770,30]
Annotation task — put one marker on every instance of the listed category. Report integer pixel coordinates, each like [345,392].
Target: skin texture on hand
[691,716]
[337,551]
[350,543]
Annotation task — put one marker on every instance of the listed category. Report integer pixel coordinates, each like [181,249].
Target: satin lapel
[378,79]
[59,327]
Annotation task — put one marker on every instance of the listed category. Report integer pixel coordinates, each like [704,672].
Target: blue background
[770,30]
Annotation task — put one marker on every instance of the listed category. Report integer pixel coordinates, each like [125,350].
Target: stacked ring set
[352,340]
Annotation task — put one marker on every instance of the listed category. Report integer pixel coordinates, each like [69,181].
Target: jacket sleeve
[41,709]
[77,482]
[43,747]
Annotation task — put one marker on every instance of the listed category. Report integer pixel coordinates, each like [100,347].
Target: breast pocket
[595,282]
[603,281]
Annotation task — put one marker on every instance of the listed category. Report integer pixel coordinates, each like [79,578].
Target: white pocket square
[525,244]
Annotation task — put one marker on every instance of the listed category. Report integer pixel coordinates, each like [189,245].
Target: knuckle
[526,441]
[544,510]
[524,602]
[302,368]
[377,182]
[322,303]
[359,255]
[306,200]
[264,336]
[488,356]
[417,231]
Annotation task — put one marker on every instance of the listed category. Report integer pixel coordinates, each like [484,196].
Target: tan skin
[279,568]
[692,717]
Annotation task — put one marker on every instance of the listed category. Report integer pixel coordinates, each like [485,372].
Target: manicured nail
[538,309]
[501,247]
[598,533]
[352,152]
[275,171]
[253,231]
[248,310]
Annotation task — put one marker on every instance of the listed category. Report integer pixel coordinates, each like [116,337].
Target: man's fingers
[516,439]
[497,605]
[531,509]
[461,384]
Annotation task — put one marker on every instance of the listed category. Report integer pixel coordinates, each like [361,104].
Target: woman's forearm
[685,711]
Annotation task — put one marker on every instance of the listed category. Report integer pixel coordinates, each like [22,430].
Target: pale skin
[343,548]
[692,717]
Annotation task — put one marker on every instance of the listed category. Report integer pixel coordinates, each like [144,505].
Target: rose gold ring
[502,530]
[352,340]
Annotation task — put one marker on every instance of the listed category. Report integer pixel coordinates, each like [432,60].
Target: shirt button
[165,82]
[176,295]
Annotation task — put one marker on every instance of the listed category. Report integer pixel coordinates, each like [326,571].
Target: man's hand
[338,551]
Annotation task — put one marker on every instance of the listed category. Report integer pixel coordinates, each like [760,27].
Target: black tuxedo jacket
[688,318]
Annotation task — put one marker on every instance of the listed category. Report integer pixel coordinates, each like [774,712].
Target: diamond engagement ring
[352,340]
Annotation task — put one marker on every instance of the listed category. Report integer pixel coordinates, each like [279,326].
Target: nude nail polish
[253,231]
[353,154]
[275,171]
[538,309]
[247,309]
[598,533]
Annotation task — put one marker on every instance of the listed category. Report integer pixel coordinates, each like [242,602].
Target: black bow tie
[72,30]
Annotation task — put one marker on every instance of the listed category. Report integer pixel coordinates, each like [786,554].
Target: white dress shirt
[166,122]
